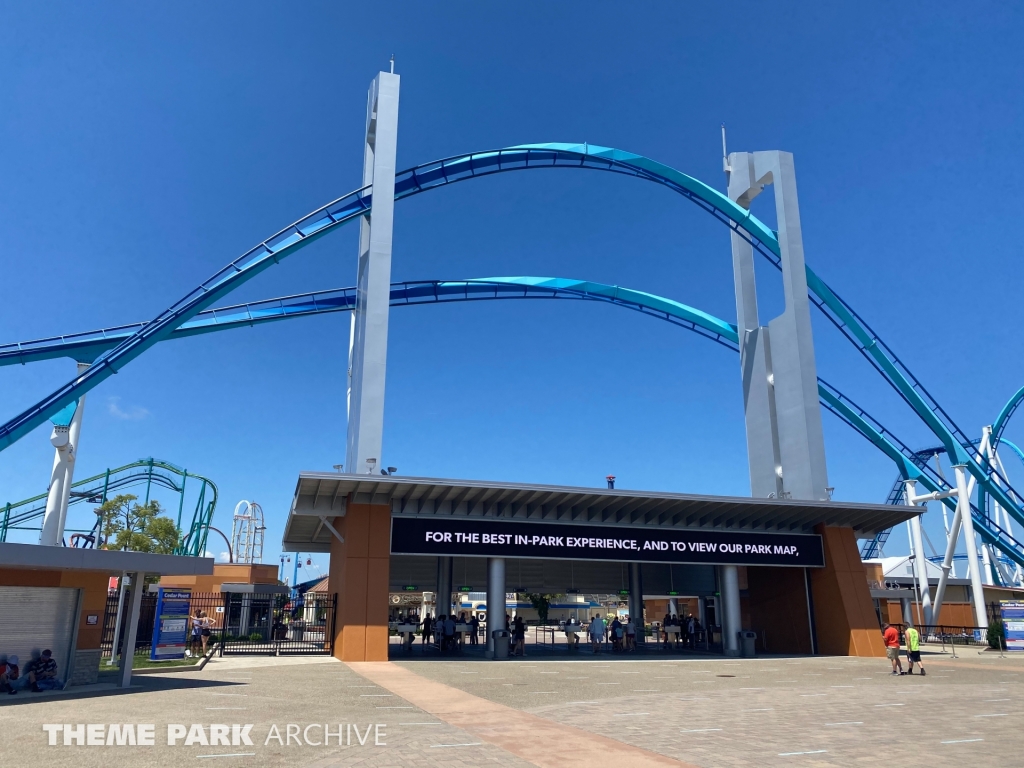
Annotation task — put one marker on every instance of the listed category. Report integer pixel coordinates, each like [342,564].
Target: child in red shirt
[891,636]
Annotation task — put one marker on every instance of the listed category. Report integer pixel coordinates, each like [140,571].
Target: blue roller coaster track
[91,344]
[458,168]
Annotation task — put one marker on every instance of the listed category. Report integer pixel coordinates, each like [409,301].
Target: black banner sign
[474,537]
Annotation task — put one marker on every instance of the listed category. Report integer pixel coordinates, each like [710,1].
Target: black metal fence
[235,624]
[274,624]
[948,635]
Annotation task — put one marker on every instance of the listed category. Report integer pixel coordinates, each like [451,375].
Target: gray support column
[51,532]
[243,613]
[368,341]
[74,440]
[780,383]
[908,613]
[495,600]
[763,460]
[920,561]
[443,600]
[729,599]
[636,601]
[673,606]
[702,611]
[122,588]
[131,629]
[963,502]
[794,370]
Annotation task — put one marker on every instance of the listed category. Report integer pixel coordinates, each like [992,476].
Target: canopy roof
[327,494]
[114,562]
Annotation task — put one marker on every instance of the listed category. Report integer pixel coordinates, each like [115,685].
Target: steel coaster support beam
[51,533]
[764,459]
[778,362]
[74,443]
[970,542]
[368,339]
[920,561]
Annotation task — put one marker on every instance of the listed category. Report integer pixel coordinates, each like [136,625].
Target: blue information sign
[1012,614]
[170,628]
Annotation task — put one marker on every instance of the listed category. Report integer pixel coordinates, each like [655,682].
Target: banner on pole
[170,628]
[1012,614]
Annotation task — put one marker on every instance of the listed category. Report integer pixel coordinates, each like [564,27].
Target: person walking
[913,649]
[891,636]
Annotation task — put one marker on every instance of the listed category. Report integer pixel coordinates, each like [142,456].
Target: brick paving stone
[850,708]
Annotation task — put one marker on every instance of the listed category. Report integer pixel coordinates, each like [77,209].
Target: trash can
[501,640]
[747,640]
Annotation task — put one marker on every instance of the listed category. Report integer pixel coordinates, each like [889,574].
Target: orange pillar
[359,576]
[844,615]
[778,605]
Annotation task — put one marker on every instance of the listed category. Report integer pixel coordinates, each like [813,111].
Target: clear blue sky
[144,147]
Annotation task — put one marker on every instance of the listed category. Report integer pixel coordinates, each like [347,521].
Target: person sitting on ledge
[42,673]
[9,674]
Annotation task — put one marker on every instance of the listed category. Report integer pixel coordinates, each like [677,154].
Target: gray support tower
[368,341]
[785,444]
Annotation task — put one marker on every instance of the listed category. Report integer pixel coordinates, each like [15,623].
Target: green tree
[995,636]
[541,603]
[164,534]
[128,525]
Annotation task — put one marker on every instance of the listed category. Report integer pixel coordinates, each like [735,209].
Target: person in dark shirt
[42,673]
[449,632]
[519,637]
[616,632]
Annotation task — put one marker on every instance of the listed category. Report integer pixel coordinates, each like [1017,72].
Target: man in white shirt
[597,630]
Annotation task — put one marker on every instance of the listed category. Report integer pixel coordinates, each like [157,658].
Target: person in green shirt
[913,649]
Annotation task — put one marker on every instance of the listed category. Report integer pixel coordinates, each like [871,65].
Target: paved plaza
[548,711]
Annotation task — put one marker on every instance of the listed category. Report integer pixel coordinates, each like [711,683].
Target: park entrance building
[804,581]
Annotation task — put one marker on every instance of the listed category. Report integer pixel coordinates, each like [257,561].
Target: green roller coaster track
[97,489]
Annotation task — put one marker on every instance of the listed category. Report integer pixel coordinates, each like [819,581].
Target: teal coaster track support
[458,168]
[912,464]
[23,515]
